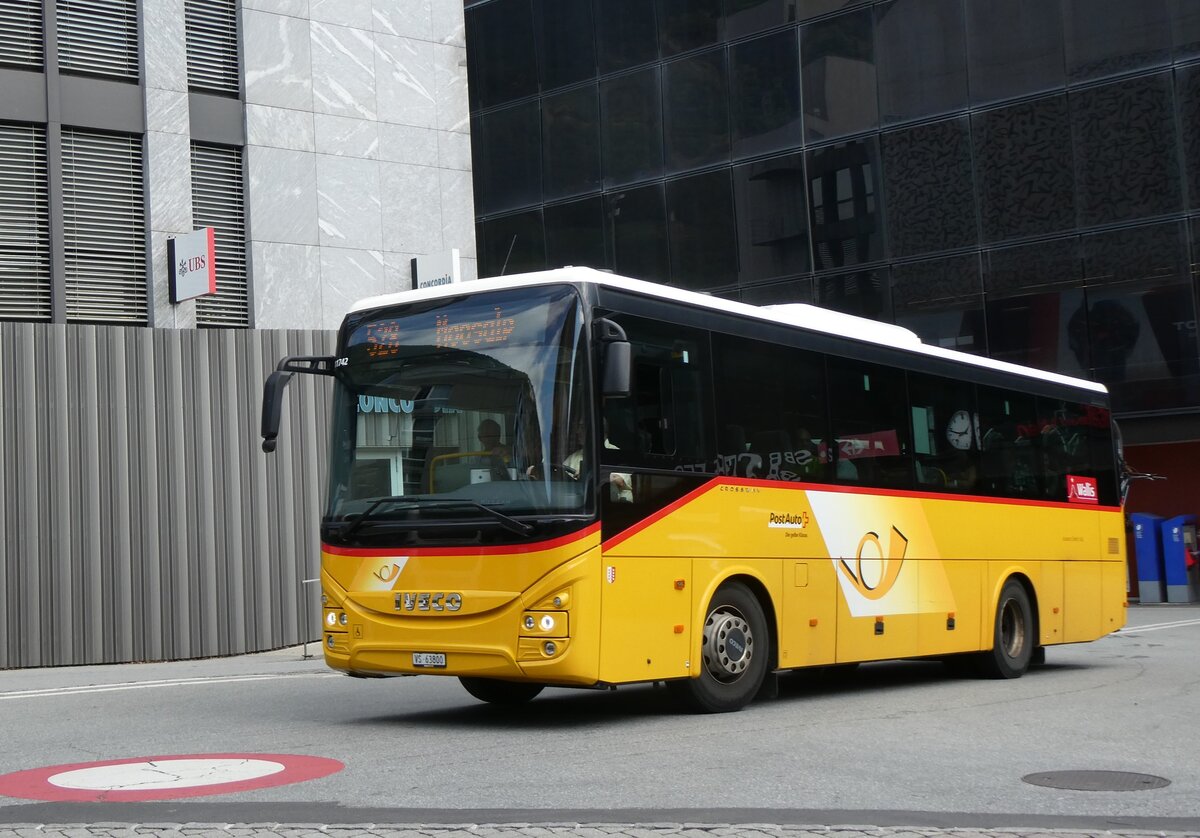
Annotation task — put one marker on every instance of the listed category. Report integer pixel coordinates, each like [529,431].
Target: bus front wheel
[500,692]
[1013,638]
[734,654]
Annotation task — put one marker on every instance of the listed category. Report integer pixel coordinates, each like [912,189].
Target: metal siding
[139,518]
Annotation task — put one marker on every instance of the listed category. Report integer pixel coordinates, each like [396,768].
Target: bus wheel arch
[1015,633]
[736,649]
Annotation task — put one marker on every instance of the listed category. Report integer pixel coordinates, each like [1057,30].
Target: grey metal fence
[139,518]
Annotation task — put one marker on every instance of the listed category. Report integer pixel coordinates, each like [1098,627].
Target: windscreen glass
[461,420]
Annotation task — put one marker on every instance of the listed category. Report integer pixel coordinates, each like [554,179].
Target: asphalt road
[893,745]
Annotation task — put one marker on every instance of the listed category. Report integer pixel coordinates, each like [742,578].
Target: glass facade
[1013,178]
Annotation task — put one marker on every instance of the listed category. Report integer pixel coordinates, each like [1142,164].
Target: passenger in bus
[496,455]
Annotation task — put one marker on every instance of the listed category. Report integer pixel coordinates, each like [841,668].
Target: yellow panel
[801,643]
[1050,603]
[1083,607]
[642,607]
[949,588]
[1116,606]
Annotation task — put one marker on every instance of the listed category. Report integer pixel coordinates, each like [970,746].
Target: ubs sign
[193,262]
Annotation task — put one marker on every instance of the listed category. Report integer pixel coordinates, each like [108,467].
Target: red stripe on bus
[500,550]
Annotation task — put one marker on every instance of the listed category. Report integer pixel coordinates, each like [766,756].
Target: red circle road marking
[36,783]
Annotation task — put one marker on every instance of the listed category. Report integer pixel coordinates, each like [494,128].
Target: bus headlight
[529,622]
[544,624]
[549,648]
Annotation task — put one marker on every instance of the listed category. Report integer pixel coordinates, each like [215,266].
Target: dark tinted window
[944,434]
[862,293]
[1025,169]
[513,244]
[838,75]
[815,8]
[1015,47]
[1077,452]
[575,234]
[1126,161]
[745,17]
[1105,37]
[638,220]
[631,127]
[772,421]
[688,24]
[930,192]
[1187,86]
[571,143]
[563,29]
[503,54]
[771,218]
[764,78]
[512,160]
[626,34]
[665,423]
[869,407]
[843,199]
[1010,457]
[942,301]
[922,59]
[701,230]
[696,111]
[788,291]
[1185,27]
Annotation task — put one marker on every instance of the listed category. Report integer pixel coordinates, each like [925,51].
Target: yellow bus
[575,479]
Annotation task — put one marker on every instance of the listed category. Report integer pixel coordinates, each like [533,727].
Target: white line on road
[145,685]
[1161,626]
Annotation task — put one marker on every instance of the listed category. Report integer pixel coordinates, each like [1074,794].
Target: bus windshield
[460,420]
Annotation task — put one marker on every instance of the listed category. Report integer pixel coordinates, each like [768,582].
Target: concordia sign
[436,269]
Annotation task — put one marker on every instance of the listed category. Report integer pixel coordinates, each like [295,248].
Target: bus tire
[506,693]
[1013,639]
[735,654]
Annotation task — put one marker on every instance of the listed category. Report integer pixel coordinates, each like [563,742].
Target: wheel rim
[1012,629]
[728,644]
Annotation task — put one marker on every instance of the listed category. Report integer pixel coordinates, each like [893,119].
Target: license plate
[427,660]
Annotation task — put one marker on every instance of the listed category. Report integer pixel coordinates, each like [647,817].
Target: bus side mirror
[277,381]
[617,361]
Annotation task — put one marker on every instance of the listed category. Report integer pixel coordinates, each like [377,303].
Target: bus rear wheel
[505,693]
[1013,640]
[734,654]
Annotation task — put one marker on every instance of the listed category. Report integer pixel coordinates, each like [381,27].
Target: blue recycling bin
[1176,547]
[1147,547]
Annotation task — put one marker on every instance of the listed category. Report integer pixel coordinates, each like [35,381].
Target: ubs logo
[874,571]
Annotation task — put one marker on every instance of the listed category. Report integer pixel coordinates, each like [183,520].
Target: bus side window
[1076,443]
[945,450]
[869,406]
[1010,449]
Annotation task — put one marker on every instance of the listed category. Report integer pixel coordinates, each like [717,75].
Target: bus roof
[812,318]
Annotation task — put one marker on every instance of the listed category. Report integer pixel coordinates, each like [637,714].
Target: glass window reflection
[513,244]
[764,79]
[843,199]
[745,17]
[1105,37]
[838,75]
[1187,87]
[922,58]
[696,111]
[571,143]
[942,301]
[626,34]
[862,293]
[638,221]
[1015,47]
[565,51]
[512,158]
[771,218]
[688,24]
[701,230]
[631,127]
[575,234]
[503,52]
[930,192]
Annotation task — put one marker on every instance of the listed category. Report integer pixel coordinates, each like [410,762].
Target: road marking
[146,685]
[165,774]
[1161,626]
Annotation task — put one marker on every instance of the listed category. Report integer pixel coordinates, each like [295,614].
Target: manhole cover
[1096,780]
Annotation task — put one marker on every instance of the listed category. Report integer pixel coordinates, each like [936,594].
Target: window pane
[1076,441]
[865,294]
[922,60]
[1140,321]
[1023,157]
[626,34]
[564,41]
[503,51]
[816,8]
[638,219]
[700,225]
[575,234]
[942,301]
[1126,161]
[688,24]
[788,291]
[1015,47]
[870,424]
[631,128]
[513,244]
[771,218]
[745,17]
[838,74]
[843,197]
[512,163]
[1185,28]
[1105,37]
[764,77]
[1010,459]
[1187,83]
[571,143]
[772,420]
[944,433]
[696,111]
[1016,270]
[929,188]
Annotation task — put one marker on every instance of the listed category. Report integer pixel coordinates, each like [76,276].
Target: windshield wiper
[510,524]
